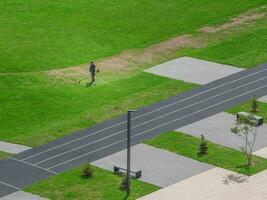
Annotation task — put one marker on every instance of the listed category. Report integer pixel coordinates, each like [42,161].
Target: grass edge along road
[103,185]
[52,110]
[246,107]
[4,155]
[218,155]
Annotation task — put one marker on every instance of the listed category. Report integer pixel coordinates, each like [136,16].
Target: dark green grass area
[36,109]
[246,107]
[220,156]
[246,48]
[102,186]
[4,155]
[45,34]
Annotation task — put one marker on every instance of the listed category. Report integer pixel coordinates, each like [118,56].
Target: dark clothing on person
[92,72]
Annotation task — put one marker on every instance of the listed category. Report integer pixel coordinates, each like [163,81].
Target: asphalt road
[109,137]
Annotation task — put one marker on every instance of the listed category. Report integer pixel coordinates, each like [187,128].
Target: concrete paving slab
[12,148]
[159,167]
[193,70]
[262,152]
[263,99]
[217,129]
[21,195]
[215,184]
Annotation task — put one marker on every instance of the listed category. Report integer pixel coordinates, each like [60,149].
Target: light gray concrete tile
[193,70]
[20,195]
[217,129]
[12,148]
[158,166]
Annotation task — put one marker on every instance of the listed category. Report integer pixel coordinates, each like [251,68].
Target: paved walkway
[12,148]
[217,129]
[20,195]
[159,167]
[263,99]
[216,184]
[193,70]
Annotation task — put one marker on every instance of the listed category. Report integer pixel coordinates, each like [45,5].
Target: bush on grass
[87,171]
[203,147]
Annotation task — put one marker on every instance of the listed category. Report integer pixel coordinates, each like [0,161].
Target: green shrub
[203,147]
[87,171]
[254,105]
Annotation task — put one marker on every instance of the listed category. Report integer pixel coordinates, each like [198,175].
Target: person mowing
[92,70]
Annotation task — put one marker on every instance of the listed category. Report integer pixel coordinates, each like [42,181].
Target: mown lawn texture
[35,109]
[244,48]
[4,155]
[103,185]
[46,34]
[220,156]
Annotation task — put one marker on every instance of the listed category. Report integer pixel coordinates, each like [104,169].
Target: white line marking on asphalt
[12,186]
[155,128]
[34,165]
[88,144]
[182,100]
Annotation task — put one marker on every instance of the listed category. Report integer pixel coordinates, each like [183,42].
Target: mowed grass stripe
[36,110]
[103,185]
[44,34]
[218,155]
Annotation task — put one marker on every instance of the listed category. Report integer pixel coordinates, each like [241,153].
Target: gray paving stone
[263,99]
[217,129]
[20,195]
[12,148]
[158,166]
[193,70]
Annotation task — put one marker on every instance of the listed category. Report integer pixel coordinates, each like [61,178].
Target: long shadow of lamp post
[128,188]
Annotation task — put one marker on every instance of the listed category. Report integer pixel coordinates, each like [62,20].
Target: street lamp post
[128,189]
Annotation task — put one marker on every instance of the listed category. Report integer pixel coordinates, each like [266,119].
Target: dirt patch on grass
[126,60]
[247,17]
[131,59]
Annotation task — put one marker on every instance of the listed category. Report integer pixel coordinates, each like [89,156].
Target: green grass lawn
[246,107]
[220,156]
[36,109]
[46,34]
[103,185]
[4,155]
[244,48]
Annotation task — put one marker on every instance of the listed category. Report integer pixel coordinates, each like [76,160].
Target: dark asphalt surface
[109,137]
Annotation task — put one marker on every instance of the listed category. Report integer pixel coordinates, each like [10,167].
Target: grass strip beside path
[4,155]
[35,110]
[219,156]
[246,107]
[103,185]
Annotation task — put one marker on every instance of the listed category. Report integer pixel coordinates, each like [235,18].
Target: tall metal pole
[128,189]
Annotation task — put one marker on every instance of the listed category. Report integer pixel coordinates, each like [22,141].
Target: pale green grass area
[103,185]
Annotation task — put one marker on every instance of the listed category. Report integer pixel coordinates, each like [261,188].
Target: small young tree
[254,105]
[246,128]
[203,147]
[87,171]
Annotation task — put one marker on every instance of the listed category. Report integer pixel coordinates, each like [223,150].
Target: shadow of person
[90,84]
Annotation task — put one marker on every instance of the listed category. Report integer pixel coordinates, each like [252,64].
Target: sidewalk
[159,167]
[217,184]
